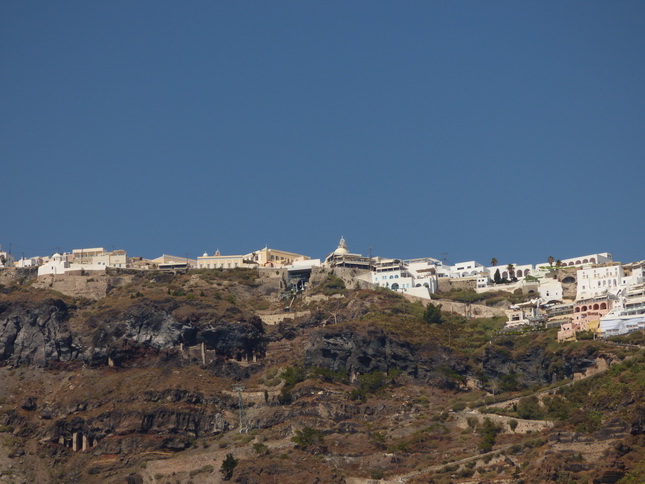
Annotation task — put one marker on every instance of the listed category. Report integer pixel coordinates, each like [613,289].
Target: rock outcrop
[360,352]
[144,325]
[36,333]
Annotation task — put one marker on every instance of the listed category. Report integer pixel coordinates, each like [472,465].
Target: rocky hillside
[175,378]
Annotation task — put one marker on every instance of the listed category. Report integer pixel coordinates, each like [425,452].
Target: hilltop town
[586,296]
[273,366]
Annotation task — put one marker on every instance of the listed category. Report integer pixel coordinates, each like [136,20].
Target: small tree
[551,260]
[432,314]
[228,466]
[309,439]
[498,277]
[488,431]
[493,262]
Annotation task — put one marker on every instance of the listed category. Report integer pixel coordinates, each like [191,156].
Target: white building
[518,271]
[416,277]
[550,289]
[598,281]
[628,313]
[461,269]
[28,262]
[58,264]
[585,260]
[6,260]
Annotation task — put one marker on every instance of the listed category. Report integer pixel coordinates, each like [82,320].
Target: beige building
[264,258]
[86,256]
[100,256]
[116,258]
[173,259]
[275,258]
[219,261]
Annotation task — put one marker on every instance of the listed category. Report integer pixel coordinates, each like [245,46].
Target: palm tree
[551,260]
[510,268]
[558,264]
[493,262]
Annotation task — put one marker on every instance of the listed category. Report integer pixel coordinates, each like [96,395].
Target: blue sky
[513,130]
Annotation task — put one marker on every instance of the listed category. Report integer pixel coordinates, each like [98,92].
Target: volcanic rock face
[37,333]
[141,325]
[364,352]
[34,333]
[532,367]
[237,340]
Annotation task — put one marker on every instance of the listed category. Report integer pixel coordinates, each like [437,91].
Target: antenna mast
[244,428]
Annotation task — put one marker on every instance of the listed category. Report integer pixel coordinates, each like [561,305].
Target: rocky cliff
[36,333]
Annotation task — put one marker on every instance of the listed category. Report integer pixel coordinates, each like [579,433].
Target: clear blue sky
[503,129]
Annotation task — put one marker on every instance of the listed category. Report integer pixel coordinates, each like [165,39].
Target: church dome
[342,248]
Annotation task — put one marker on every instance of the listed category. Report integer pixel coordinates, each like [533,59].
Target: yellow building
[275,258]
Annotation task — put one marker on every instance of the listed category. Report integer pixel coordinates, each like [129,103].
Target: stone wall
[91,285]
[448,283]
[523,426]
[472,310]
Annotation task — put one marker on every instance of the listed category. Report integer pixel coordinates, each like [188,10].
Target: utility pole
[243,425]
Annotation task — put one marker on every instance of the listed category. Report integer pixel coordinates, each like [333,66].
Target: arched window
[603,305]
[577,310]
[596,307]
[395,286]
[592,260]
[584,261]
[584,308]
[504,275]
[578,262]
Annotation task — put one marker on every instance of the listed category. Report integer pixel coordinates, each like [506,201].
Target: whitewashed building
[585,260]
[416,277]
[550,289]
[627,315]
[6,259]
[599,281]
[58,264]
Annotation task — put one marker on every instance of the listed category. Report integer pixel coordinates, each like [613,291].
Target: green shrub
[529,408]
[308,437]
[432,314]
[228,466]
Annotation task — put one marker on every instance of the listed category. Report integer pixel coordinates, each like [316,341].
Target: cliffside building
[341,257]
[260,258]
